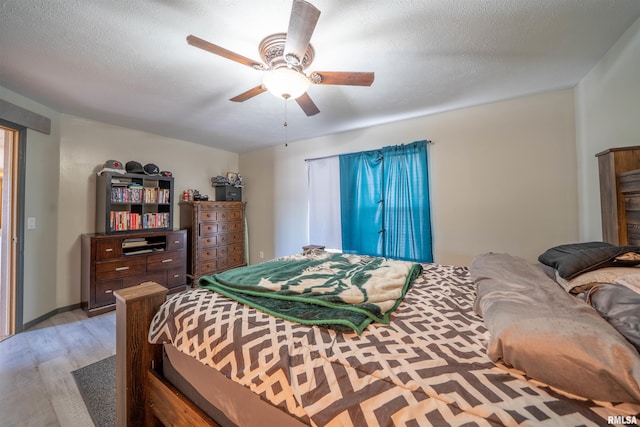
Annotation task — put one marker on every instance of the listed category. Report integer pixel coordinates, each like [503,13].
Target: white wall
[60,192]
[502,177]
[607,115]
[84,147]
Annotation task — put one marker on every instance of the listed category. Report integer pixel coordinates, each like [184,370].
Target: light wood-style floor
[36,385]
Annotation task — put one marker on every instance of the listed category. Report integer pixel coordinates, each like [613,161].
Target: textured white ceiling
[126,62]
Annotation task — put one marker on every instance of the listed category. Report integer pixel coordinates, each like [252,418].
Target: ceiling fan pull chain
[286,125]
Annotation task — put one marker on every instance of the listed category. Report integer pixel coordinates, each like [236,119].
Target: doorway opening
[10,315]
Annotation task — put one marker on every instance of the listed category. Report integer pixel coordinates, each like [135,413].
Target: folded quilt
[339,291]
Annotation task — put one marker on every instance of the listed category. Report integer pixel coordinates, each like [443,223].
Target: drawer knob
[121,268]
[176,241]
[108,291]
[109,250]
[176,275]
[167,260]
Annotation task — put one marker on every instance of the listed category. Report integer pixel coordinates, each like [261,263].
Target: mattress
[222,399]
[427,367]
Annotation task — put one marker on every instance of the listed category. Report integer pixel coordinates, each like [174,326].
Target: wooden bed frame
[143,396]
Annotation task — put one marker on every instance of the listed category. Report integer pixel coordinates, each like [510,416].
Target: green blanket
[339,291]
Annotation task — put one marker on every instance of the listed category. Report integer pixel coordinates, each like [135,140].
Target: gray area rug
[97,385]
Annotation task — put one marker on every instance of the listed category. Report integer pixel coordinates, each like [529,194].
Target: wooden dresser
[630,189]
[216,235]
[112,262]
[611,164]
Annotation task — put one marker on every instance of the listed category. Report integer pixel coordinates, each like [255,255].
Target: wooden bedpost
[135,307]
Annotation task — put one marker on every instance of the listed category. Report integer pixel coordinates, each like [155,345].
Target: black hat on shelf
[134,167]
[151,169]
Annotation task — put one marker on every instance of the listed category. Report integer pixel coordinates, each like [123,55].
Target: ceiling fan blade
[248,94]
[307,105]
[342,78]
[210,47]
[302,22]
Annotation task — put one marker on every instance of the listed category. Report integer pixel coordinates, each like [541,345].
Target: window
[382,197]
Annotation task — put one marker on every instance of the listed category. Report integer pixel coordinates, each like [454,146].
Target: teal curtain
[384,196]
[406,215]
[361,202]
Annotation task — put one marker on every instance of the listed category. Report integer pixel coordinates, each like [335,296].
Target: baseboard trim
[52,313]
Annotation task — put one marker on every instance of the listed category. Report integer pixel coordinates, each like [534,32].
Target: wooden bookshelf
[130,202]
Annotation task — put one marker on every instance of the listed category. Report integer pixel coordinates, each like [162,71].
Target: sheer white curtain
[324,202]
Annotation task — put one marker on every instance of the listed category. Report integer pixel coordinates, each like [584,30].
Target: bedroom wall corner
[258,171]
[607,105]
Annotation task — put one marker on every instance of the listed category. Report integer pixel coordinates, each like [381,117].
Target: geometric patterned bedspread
[428,367]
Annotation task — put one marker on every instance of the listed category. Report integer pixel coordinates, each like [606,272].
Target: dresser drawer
[235,260]
[235,248]
[159,277]
[231,261]
[206,268]
[223,264]
[207,242]
[228,250]
[176,241]
[104,292]
[226,239]
[230,215]
[107,249]
[207,214]
[165,261]
[207,254]
[107,270]
[208,228]
[176,277]
[226,227]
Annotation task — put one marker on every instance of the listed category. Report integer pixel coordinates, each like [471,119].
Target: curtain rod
[429,142]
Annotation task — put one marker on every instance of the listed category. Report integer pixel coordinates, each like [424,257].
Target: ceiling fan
[285,57]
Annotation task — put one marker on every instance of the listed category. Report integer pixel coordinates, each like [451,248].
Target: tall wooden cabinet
[216,235]
[112,262]
[612,163]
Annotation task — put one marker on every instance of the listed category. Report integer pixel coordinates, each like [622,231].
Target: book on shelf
[134,244]
[139,251]
[135,239]
[127,193]
[124,220]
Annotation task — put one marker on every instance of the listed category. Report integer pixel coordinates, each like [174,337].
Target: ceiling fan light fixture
[285,83]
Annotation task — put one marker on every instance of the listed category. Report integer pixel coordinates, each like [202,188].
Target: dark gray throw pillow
[573,259]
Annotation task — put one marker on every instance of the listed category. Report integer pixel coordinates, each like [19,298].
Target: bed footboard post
[135,307]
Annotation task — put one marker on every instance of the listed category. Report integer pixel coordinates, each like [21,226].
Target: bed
[457,350]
